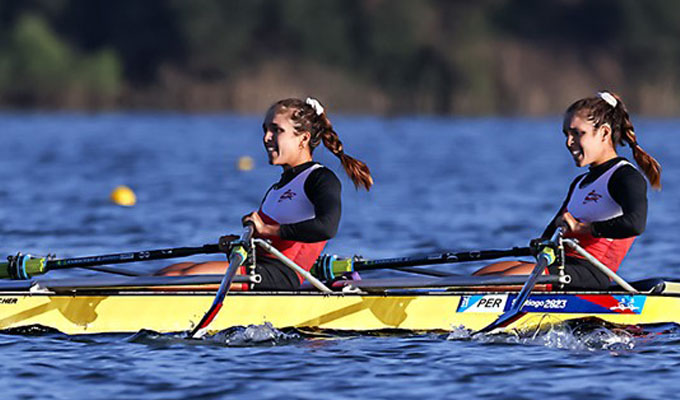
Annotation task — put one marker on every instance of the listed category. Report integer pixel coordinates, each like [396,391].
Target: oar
[544,259]
[237,257]
[24,266]
[329,267]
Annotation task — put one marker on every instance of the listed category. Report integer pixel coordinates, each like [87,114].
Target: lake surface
[440,184]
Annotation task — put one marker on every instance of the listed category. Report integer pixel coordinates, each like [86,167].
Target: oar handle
[246,235]
[22,266]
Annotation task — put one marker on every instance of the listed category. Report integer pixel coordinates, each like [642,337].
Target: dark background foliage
[370,56]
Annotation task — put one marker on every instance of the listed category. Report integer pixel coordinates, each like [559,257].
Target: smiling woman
[302,210]
[605,208]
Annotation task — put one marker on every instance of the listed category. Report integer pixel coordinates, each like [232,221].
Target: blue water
[441,184]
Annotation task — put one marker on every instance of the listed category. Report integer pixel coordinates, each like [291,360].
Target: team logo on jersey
[287,195]
[592,196]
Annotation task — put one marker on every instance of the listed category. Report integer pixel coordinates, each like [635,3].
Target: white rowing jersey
[592,203]
[288,205]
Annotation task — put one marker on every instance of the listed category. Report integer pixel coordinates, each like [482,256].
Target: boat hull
[176,311]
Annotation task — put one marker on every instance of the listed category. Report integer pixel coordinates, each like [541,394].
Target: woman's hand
[261,228]
[572,225]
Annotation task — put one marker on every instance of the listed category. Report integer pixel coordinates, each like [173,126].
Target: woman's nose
[267,136]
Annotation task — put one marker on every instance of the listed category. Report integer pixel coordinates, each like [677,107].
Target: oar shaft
[237,257]
[330,267]
[545,258]
[442,258]
[121,258]
[24,266]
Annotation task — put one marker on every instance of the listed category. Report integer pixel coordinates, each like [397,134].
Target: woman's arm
[323,189]
[629,189]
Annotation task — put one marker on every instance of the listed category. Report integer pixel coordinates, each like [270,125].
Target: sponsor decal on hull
[584,304]
[558,303]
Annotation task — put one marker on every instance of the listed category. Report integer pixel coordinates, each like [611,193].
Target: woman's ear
[606,131]
[306,137]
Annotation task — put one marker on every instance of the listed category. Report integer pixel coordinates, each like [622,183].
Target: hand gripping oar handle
[330,267]
[237,256]
[23,266]
[544,258]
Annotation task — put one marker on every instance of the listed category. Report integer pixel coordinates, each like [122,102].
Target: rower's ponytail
[650,167]
[608,108]
[357,170]
[310,116]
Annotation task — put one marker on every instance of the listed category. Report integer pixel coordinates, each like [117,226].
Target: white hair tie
[314,103]
[608,97]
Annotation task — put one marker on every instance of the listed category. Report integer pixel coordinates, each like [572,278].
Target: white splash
[253,335]
[554,333]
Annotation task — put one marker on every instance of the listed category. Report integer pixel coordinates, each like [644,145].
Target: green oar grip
[22,266]
[549,254]
[329,267]
[239,250]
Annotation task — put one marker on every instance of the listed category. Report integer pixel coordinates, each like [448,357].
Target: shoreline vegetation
[383,57]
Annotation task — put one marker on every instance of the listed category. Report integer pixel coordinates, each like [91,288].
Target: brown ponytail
[612,111]
[649,165]
[309,116]
[357,170]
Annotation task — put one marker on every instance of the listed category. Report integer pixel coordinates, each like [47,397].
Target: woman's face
[588,145]
[284,147]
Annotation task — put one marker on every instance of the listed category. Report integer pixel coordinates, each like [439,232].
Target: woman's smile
[586,144]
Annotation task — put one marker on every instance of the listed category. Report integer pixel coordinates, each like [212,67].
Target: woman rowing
[301,211]
[605,208]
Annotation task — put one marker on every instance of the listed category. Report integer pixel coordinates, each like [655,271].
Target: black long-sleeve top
[628,188]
